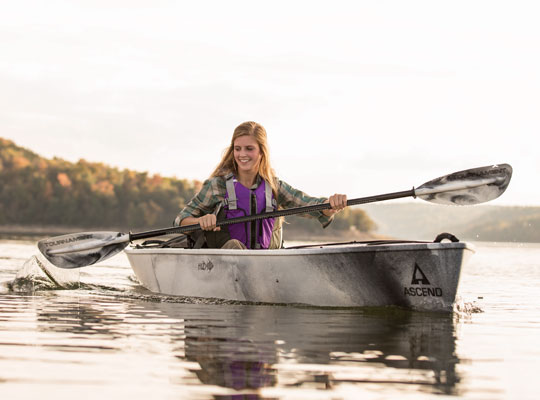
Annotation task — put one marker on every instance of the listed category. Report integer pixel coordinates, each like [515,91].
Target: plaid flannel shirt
[214,190]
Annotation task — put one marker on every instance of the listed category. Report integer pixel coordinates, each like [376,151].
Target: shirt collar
[258,181]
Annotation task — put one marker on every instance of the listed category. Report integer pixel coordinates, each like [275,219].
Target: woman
[244,183]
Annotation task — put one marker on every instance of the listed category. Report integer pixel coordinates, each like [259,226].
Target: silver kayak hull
[419,276]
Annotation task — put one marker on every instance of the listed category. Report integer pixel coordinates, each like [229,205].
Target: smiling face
[247,154]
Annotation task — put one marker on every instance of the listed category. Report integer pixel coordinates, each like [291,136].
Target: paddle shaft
[273,214]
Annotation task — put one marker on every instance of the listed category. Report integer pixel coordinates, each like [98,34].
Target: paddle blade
[82,249]
[468,187]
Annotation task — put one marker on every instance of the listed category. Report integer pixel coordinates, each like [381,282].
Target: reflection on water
[298,347]
[223,350]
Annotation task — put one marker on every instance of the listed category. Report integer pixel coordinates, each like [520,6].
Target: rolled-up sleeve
[289,197]
[204,202]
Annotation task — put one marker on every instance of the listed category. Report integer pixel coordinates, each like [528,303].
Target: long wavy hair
[228,163]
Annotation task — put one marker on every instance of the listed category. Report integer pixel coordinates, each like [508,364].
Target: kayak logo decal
[422,286]
[205,266]
[418,276]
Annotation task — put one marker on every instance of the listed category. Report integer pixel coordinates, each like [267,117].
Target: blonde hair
[228,163]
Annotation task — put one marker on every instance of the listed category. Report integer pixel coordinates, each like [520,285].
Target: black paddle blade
[82,249]
[468,187]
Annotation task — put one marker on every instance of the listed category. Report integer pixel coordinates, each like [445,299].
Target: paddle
[468,187]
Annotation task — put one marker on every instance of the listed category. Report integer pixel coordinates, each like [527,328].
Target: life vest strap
[232,200]
[268,196]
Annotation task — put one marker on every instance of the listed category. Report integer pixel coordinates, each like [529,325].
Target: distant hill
[420,220]
[40,192]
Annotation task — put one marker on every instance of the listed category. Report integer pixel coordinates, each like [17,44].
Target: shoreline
[42,231]
[38,232]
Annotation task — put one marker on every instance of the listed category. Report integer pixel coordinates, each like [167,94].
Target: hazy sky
[360,97]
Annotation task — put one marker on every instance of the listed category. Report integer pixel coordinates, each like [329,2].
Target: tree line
[39,191]
[36,191]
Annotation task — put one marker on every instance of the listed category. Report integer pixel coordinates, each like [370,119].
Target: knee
[234,244]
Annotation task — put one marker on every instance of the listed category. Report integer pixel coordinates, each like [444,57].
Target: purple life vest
[241,201]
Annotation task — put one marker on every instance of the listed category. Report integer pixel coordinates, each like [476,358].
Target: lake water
[107,337]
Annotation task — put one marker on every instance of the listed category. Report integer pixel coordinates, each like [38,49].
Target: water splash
[466,308]
[38,274]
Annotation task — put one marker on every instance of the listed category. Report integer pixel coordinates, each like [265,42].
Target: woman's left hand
[338,202]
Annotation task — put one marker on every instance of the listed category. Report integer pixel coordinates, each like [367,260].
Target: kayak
[416,275]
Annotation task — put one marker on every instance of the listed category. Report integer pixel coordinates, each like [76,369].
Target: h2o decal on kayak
[417,288]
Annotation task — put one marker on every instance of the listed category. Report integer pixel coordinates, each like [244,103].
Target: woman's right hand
[208,223]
